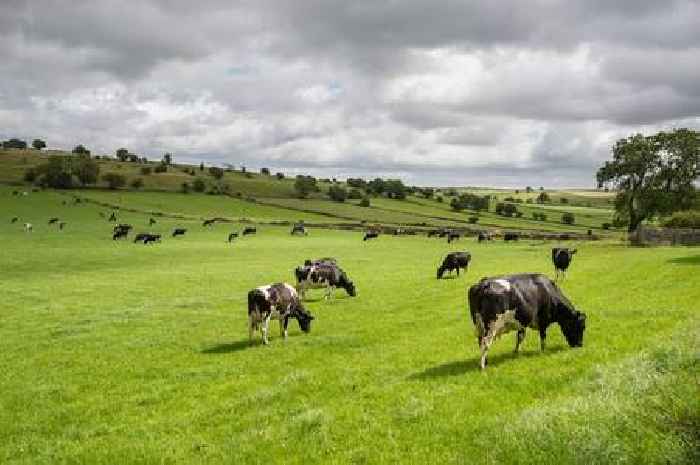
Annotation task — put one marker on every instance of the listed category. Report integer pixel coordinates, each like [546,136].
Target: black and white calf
[298,229]
[28,227]
[511,237]
[326,275]
[561,258]
[232,236]
[370,235]
[484,237]
[151,238]
[454,261]
[179,232]
[452,236]
[121,230]
[512,303]
[279,301]
[249,230]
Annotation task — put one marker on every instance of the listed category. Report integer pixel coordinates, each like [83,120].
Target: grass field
[115,352]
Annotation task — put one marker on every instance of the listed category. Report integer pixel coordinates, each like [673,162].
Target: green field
[115,352]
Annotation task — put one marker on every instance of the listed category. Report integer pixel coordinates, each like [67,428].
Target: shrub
[279,176]
[364,202]
[199,185]
[216,173]
[30,175]
[543,197]
[473,219]
[337,193]
[14,144]
[606,225]
[684,219]
[146,170]
[137,183]
[304,185]
[354,194]
[439,199]
[564,200]
[568,218]
[114,180]
[161,168]
[81,150]
[38,144]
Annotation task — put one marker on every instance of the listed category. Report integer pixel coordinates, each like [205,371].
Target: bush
[185,188]
[30,175]
[539,216]
[606,225]
[684,219]
[354,194]
[114,180]
[146,170]
[38,144]
[216,173]
[81,150]
[364,202]
[473,219]
[439,199]
[279,176]
[137,183]
[337,193]
[543,197]
[568,218]
[198,185]
[162,168]
[304,185]
[564,200]
[14,144]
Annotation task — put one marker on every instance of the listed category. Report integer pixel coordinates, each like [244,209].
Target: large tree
[654,175]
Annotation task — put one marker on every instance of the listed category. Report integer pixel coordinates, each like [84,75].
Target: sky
[442,92]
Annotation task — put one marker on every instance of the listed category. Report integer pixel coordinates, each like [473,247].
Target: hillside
[260,197]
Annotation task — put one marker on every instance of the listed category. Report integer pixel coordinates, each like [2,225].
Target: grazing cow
[484,237]
[249,230]
[28,227]
[179,232]
[53,220]
[112,217]
[232,236]
[433,233]
[208,223]
[279,301]
[512,303]
[298,229]
[151,221]
[14,219]
[453,236]
[370,235]
[151,238]
[140,237]
[324,274]
[510,237]
[454,261]
[442,233]
[61,225]
[121,230]
[561,258]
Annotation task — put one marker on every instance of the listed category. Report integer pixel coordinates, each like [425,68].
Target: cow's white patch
[291,290]
[266,291]
[502,282]
[504,323]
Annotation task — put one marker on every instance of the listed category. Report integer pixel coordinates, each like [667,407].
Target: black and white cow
[511,237]
[53,220]
[298,229]
[61,225]
[323,275]
[433,233]
[370,235]
[249,230]
[121,230]
[28,227]
[151,238]
[112,217]
[232,236]
[452,236]
[14,219]
[141,237]
[454,261]
[512,303]
[179,232]
[484,237]
[279,301]
[561,258]
[151,221]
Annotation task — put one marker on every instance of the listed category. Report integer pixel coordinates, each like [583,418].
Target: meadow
[115,352]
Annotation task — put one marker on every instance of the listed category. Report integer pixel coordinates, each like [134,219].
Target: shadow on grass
[229,348]
[460,367]
[690,260]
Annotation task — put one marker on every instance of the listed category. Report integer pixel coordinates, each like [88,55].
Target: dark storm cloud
[450,92]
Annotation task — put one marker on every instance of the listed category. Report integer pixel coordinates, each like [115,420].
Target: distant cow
[298,229]
[208,223]
[512,303]
[151,221]
[14,219]
[325,274]
[112,217]
[53,220]
[561,258]
[433,233]
[61,225]
[28,227]
[140,237]
[151,238]
[453,236]
[484,237]
[232,236]
[179,232]
[121,230]
[249,230]
[279,301]
[454,261]
[510,237]
[370,235]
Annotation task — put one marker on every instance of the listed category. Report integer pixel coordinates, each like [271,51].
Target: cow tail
[251,301]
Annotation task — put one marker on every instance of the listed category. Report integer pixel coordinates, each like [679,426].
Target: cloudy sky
[440,92]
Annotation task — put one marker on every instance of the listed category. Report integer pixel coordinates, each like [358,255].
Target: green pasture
[115,352]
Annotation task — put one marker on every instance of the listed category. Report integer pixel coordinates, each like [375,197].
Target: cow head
[303,317]
[302,273]
[440,271]
[573,326]
[350,288]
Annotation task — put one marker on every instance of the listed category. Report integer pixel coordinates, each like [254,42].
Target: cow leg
[286,322]
[265,327]
[457,271]
[485,343]
[250,328]
[519,338]
[543,337]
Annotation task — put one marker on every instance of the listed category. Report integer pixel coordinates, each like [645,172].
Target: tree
[201,166]
[86,170]
[304,185]
[160,168]
[167,158]
[337,193]
[364,202]
[427,192]
[528,189]
[395,189]
[30,175]
[137,183]
[146,170]
[564,200]
[216,173]
[114,180]
[542,198]
[185,188]
[355,194]
[568,218]
[122,154]
[654,175]
[38,144]
[81,150]
[279,176]
[265,171]
[14,144]
[198,185]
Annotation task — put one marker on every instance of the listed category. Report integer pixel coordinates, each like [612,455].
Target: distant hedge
[684,219]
